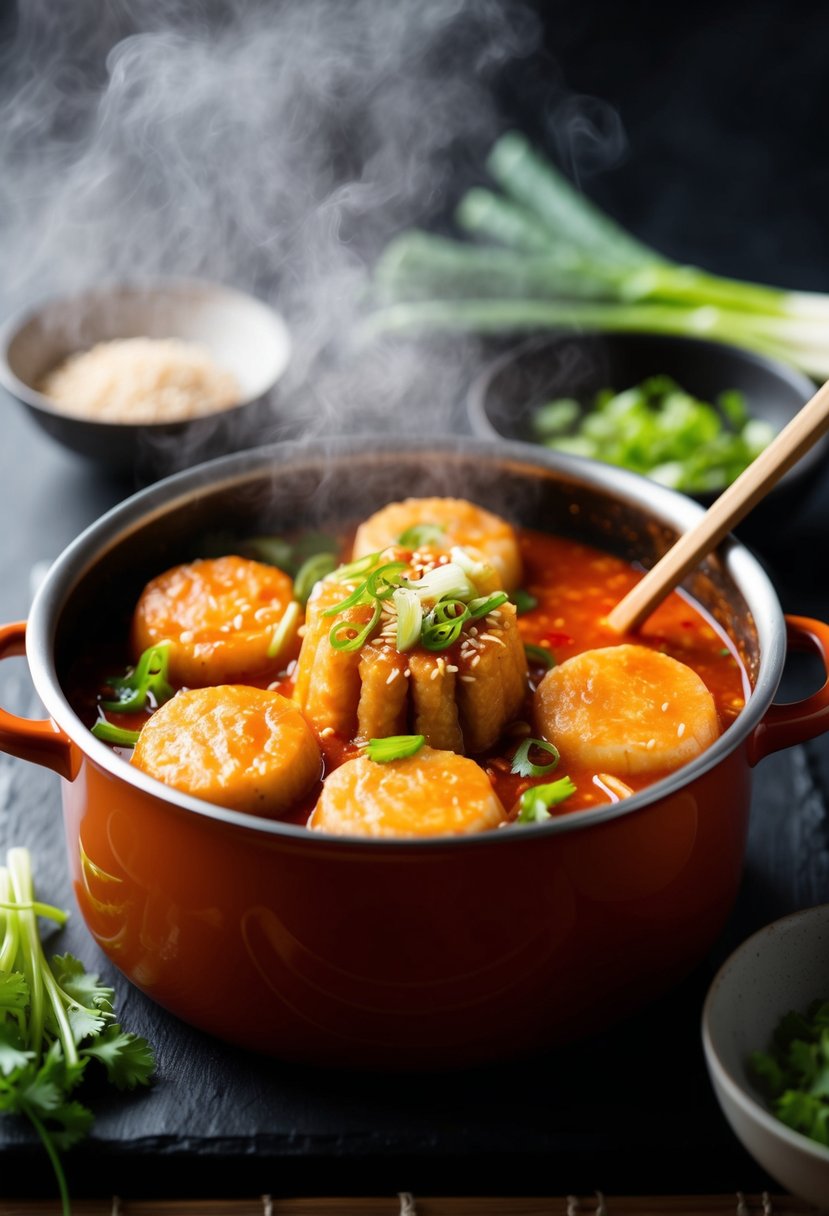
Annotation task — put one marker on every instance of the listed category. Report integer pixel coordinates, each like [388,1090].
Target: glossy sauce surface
[575,586]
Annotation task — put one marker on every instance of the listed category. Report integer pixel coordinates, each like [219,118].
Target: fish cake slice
[432,793]
[435,710]
[383,692]
[233,745]
[485,536]
[220,616]
[626,710]
[493,679]
[327,682]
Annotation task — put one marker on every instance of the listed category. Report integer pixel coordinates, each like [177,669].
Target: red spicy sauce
[575,586]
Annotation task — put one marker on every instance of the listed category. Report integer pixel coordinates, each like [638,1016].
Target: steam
[272,146]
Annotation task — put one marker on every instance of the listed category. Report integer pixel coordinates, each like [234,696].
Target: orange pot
[400,953]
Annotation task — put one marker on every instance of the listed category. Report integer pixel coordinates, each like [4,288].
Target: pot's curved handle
[37,740]
[795,722]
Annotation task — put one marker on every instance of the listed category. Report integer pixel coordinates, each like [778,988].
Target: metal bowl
[503,399]
[784,966]
[243,335]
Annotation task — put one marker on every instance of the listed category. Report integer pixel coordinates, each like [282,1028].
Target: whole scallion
[541,256]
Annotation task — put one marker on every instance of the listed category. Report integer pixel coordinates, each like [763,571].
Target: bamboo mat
[409,1205]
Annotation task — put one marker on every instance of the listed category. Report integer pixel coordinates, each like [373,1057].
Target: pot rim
[133,513]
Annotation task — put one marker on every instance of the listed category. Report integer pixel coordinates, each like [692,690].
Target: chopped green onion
[115,734]
[448,581]
[147,679]
[356,569]
[394,747]
[346,637]
[535,803]
[272,550]
[285,630]
[421,534]
[382,582]
[287,556]
[522,766]
[544,257]
[358,596]
[524,602]
[657,429]
[312,570]
[477,570]
[442,627]
[409,618]
[539,655]
[484,604]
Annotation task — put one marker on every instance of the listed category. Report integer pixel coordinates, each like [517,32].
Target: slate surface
[631,1112]
[628,1113]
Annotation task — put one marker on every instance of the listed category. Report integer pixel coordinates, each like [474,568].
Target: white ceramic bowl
[243,335]
[784,966]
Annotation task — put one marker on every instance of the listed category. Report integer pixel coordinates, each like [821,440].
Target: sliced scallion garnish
[147,679]
[421,534]
[540,655]
[346,636]
[285,630]
[115,734]
[409,618]
[442,627]
[484,604]
[535,803]
[524,602]
[522,766]
[357,569]
[309,574]
[445,582]
[382,582]
[394,747]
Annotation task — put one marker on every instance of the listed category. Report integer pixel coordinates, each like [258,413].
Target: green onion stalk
[538,255]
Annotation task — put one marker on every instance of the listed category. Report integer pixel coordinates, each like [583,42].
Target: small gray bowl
[243,335]
[784,966]
[504,397]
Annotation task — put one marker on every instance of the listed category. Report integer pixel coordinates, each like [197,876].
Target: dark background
[704,129]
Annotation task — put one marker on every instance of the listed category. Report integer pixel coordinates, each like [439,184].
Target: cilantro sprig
[54,1019]
[794,1072]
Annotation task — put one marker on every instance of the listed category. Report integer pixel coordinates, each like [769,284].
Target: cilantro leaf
[83,986]
[128,1058]
[13,1053]
[794,1072]
[49,1031]
[14,991]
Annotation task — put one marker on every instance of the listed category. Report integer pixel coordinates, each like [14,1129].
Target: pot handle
[796,721]
[37,740]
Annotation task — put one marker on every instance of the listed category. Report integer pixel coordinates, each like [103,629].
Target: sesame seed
[680,730]
[651,744]
[238,621]
[468,679]
[186,636]
[393,674]
[327,732]
[435,672]
[664,707]
[451,667]
[475,661]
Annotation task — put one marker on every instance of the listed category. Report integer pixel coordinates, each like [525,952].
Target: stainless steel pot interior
[90,590]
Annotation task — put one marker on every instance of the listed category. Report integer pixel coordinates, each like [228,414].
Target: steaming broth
[374,690]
